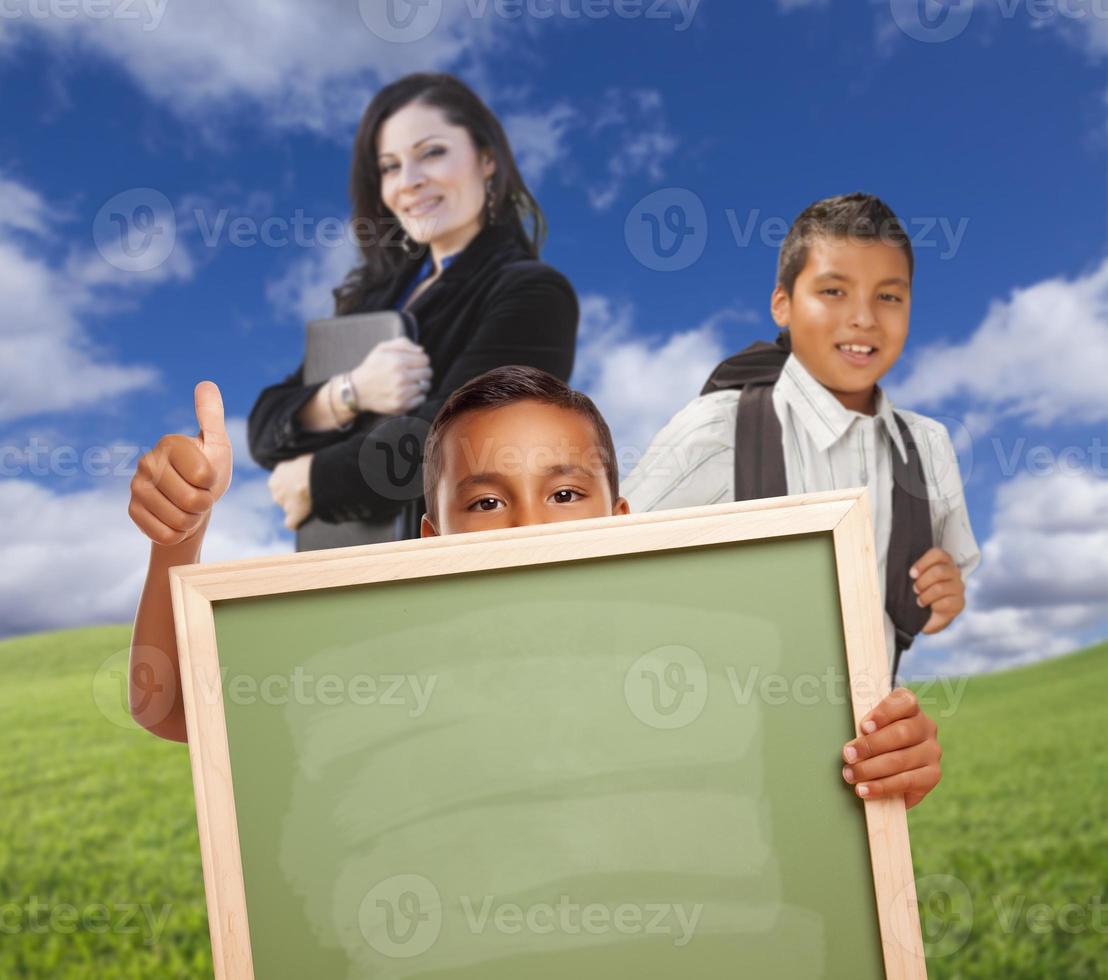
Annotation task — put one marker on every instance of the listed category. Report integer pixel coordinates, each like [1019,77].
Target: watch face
[346,393]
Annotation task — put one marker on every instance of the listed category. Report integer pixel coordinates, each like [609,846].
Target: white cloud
[1039,355]
[48,359]
[303,65]
[638,384]
[539,139]
[1082,23]
[21,207]
[76,559]
[1042,587]
[640,139]
[303,291]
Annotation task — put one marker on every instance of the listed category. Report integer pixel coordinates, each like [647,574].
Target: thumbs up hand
[176,484]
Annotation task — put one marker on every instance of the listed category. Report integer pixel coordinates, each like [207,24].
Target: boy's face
[527,463]
[850,293]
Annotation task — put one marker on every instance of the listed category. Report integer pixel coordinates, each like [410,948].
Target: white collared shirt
[691,462]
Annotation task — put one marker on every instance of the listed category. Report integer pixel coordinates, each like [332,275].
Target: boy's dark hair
[858,215]
[499,388]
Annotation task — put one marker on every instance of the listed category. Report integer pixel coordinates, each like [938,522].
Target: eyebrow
[840,277]
[433,136]
[491,476]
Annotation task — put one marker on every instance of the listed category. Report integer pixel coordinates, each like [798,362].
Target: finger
[164,510]
[930,557]
[942,591]
[183,493]
[890,763]
[419,374]
[917,781]
[153,528]
[939,620]
[942,572]
[900,734]
[411,360]
[900,703]
[208,403]
[400,343]
[187,459]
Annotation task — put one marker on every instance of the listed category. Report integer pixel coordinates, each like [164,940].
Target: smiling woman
[450,234]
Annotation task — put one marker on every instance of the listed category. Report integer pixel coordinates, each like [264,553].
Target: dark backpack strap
[759,452]
[909,539]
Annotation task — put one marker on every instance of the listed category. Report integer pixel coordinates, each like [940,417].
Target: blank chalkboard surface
[609,749]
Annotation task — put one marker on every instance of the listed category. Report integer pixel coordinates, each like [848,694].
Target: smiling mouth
[859,354]
[422,207]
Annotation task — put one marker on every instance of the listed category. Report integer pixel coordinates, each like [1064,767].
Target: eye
[434,151]
[832,290]
[891,296]
[559,496]
[480,504]
[387,168]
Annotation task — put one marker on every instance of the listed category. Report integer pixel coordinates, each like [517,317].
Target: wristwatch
[347,395]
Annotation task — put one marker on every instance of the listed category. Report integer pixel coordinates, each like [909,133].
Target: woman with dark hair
[448,232]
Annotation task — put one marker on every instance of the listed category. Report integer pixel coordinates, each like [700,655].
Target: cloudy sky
[173,188]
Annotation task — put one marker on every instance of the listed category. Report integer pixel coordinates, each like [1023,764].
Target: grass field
[100,868]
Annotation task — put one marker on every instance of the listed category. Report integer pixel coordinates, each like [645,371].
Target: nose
[862,315]
[411,175]
[528,512]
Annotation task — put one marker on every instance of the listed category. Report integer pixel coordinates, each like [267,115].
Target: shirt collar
[823,416]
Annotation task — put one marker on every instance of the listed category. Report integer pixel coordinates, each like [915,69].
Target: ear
[488,164]
[780,306]
[426,528]
[621,507]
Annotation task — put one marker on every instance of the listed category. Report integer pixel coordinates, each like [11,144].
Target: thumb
[209,413]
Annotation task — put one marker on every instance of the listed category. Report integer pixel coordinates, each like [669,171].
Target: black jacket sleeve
[272,430]
[529,318]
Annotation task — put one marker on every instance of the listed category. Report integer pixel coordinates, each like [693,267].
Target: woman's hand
[176,484]
[393,379]
[290,485]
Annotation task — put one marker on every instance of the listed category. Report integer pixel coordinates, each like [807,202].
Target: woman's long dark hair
[376,228]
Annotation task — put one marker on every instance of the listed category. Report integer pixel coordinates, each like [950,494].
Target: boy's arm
[691,461]
[939,574]
[172,494]
[154,678]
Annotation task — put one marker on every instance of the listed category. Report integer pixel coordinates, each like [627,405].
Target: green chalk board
[618,766]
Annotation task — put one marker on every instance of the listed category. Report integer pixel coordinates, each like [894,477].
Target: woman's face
[432,177]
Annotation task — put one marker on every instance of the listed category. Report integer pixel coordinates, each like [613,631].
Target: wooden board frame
[846,514]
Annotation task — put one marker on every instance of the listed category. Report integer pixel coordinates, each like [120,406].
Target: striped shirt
[691,461]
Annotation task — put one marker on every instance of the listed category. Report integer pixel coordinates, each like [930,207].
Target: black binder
[336,345]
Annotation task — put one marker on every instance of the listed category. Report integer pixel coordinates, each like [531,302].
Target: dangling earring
[411,249]
[490,205]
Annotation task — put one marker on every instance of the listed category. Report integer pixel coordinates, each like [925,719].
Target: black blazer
[492,306]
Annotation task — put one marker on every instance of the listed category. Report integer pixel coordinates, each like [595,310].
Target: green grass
[97,816]
[1011,849]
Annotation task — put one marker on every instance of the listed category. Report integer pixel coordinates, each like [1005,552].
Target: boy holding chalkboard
[512,447]
[806,414]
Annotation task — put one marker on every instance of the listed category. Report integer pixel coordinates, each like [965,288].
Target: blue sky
[987,135]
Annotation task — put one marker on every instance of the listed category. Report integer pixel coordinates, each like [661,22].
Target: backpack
[760,472]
